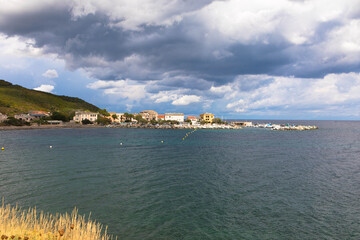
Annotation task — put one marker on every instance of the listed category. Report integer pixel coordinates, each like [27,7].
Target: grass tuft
[30,225]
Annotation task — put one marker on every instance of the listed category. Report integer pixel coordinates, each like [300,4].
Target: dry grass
[30,225]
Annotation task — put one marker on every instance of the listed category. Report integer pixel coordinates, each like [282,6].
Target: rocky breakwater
[293,128]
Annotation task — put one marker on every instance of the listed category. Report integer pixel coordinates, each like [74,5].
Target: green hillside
[16,99]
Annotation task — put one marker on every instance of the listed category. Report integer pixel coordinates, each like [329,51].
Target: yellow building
[119,117]
[208,117]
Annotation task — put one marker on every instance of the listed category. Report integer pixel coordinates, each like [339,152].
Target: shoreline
[33,127]
[7,128]
[275,127]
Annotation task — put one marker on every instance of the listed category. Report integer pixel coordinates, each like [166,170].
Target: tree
[59,116]
[154,122]
[172,122]
[140,119]
[114,116]
[86,121]
[217,120]
[189,121]
[104,112]
[103,120]
[128,117]
[15,122]
[202,122]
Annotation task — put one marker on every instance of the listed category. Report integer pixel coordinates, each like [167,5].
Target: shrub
[86,121]
[104,112]
[103,120]
[16,224]
[15,122]
[59,116]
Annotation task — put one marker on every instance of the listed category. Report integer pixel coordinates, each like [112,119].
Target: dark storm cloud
[180,48]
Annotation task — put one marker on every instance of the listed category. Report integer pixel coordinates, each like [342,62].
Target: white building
[24,117]
[80,116]
[3,117]
[174,117]
[194,120]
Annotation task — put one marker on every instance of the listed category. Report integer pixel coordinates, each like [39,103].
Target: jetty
[277,127]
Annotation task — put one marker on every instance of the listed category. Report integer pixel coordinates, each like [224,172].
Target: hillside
[16,99]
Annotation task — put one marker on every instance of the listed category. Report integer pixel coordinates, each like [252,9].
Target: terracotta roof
[161,116]
[191,117]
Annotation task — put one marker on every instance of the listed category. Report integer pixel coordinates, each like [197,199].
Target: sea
[216,184]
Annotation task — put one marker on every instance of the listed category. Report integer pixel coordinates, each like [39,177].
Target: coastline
[33,127]
[275,127]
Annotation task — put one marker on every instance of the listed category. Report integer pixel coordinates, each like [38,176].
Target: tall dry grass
[30,225]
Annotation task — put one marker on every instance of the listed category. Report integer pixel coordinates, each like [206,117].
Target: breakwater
[286,127]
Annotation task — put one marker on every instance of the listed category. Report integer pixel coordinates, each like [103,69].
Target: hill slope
[16,99]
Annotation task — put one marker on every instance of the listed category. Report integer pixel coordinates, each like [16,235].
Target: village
[144,119]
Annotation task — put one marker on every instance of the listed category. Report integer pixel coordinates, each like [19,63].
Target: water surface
[217,184]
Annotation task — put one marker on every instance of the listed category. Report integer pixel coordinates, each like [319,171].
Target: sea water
[215,184]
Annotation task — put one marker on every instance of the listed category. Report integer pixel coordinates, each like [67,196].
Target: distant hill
[16,99]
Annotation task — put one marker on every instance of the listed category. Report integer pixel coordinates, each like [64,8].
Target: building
[194,120]
[174,117]
[133,120]
[149,115]
[39,114]
[80,116]
[24,117]
[161,117]
[3,117]
[55,122]
[207,117]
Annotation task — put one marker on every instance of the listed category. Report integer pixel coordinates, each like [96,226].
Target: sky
[258,59]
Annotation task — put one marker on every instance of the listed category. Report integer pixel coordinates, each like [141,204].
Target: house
[24,117]
[174,117]
[207,117]
[3,117]
[120,118]
[39,114]
[149,115]
[161,117]
[133,120]
[194,120]
[80,116]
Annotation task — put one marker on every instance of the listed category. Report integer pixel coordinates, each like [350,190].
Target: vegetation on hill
[17,224]
[16,99]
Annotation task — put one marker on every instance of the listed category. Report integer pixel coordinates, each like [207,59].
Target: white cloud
[51,73]
[342,44]
[131,15]
[186,100]
[255,21]
[176,97]
[128,89]
[45,88]
[334,94]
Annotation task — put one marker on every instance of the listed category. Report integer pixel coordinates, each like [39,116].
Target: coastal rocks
[293,128]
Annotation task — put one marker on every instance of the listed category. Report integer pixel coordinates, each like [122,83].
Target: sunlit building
[207,117]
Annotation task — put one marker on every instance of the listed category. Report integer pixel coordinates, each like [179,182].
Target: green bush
[15,122]
[103,120]
[104,112]
[59,116]
[86,121]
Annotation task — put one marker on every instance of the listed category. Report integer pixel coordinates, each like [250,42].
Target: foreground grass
[30,225]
